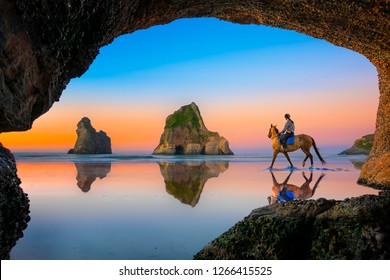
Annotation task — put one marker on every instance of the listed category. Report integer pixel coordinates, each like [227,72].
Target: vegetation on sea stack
[183,116]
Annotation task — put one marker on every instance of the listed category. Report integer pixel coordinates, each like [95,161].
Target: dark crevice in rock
[179,150]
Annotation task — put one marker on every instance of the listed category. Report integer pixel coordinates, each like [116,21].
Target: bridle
[272,137]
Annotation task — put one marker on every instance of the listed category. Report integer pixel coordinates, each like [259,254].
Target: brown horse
[301,141]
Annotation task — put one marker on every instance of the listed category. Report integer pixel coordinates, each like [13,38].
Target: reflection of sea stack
[87,172]
[186,134]
[361,146]
[89,141]
[185,181]
[357,164]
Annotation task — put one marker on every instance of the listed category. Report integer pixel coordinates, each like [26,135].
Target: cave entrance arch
[46,43]
[179,150]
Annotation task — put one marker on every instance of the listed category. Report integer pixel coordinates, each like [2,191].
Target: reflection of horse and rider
[287,192]
[286,141]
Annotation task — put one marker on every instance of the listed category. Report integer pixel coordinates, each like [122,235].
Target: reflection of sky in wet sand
[129,214]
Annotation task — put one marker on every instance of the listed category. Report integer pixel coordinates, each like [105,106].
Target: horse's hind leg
[308,155]
[304,161]
[311,159]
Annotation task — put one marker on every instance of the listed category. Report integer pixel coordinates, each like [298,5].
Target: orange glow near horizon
[245,124]
[52,133]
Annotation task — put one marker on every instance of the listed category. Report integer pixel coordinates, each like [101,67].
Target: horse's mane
[276,129]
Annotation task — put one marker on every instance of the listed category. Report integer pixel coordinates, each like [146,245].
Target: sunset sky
[242,77]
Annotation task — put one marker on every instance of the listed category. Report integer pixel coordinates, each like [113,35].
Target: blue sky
[186,40]
[199,56]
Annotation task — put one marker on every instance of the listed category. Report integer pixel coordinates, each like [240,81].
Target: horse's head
[273,131]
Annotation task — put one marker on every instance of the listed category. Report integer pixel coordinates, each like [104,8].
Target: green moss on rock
[183,117]
[365,142]
[360,146]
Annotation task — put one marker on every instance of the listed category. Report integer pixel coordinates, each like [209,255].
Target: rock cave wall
[46,43]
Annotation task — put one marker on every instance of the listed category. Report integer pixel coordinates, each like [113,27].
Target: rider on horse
[287,131]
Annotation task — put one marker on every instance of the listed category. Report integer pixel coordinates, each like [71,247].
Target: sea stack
[89,141]
[361,146]
[186,134]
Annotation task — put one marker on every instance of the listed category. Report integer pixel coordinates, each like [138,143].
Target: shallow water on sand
[147,207]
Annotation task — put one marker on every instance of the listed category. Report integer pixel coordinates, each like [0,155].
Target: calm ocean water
[159,207]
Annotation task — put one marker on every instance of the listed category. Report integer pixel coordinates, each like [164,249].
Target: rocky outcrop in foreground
[185,180]
[14,204]
[89,141]
[361,146]
[186,134]
[356,228]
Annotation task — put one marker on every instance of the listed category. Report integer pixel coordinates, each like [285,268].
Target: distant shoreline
[331,150]
[263,157]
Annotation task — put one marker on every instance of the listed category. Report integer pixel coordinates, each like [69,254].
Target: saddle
[289,141]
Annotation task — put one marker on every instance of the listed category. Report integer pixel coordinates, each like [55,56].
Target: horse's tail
[318,152]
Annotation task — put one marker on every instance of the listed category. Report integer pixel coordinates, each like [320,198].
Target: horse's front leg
[288,158]
[273,159]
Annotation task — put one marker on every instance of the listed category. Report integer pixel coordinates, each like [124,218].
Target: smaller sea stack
[89,141]
[361,146]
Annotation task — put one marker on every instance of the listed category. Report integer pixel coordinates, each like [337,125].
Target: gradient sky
[242,77]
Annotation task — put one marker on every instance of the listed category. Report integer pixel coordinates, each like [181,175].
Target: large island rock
[361,146]
[186,134]
[89,141]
